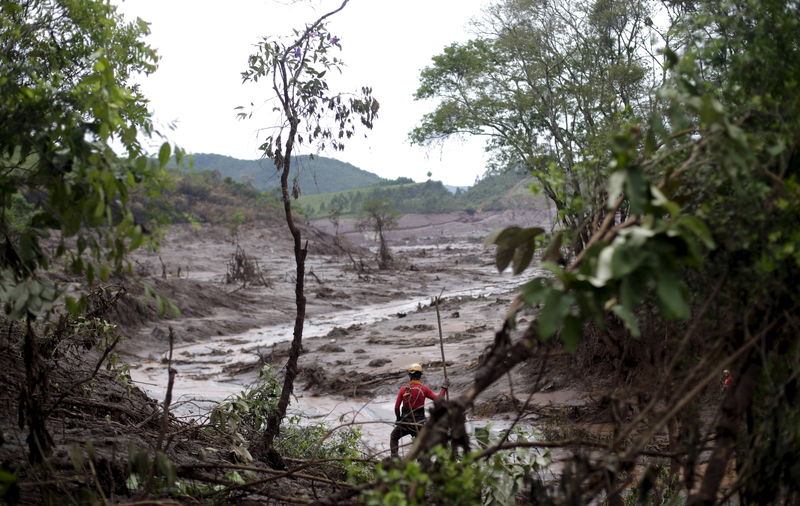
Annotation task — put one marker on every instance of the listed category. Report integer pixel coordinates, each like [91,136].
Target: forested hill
[492,193]
[317,175]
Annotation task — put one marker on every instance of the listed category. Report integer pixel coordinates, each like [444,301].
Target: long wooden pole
[441,343]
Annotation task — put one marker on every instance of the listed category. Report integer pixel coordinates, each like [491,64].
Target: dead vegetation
[112,443]
[245,270]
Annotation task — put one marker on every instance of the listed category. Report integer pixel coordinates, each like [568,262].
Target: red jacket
[412,396]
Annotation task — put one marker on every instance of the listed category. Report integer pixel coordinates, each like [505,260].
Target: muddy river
[372,324]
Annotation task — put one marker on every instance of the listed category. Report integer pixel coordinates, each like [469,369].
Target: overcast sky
[204,46]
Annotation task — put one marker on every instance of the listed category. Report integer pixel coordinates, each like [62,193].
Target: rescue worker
[727,380]
[412,399]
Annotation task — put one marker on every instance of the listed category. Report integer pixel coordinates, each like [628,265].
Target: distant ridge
[328,184]
[317,175]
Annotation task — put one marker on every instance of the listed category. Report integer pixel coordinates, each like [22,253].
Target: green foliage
[143,465]
[329,119]
[700,193]
[448,481]
[495,479]
[64,99]
[243,416]
[544,83]
[98,334]
[515,246]
[499,190]
[207,197]
[316,441]
[510,472]
[8,485]
[493,192]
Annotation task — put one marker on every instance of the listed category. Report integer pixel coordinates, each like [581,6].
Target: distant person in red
[727,380]
[412,400]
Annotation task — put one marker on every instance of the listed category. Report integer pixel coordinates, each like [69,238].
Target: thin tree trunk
[384,257]
[734,406]
[32,399]
[264,445]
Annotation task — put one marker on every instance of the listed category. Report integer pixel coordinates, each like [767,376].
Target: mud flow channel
[204,376]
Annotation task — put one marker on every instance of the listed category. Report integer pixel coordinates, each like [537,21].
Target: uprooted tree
[311,114]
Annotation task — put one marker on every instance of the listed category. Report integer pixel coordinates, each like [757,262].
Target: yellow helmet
[414,368]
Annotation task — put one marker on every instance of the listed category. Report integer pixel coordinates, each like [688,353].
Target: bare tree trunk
[734,406]
[264,445]
[33,396]
[384,257]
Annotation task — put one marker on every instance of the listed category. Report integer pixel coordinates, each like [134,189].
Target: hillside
[407,197]
[219,188]
[317,175]
[207,197]
[492,193]
[508,190]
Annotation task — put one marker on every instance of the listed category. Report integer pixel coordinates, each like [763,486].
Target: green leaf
[553,251]
[637,190]
[523,256]
[626,260]
[571,333]
[76,456]
[136,238]
[632,290]
[660,200]
[503,257]
[628,318]
[90,450]
[670,296]
[534,291]
[616,183]
[699,229]
[163,154]
[556,307]
[514,244]
[74,306]
[7,478]
[165,468]
[604,271]
[482,436]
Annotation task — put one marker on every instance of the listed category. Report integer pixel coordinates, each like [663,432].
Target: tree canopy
[545,82]
[676,174]
[65,99]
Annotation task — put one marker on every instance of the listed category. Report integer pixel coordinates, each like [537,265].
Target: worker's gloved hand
[446,384]
[397,418]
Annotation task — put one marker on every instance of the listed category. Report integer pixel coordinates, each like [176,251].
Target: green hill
[506,190]
[492,193]
[206,197]
[317,175]
[406,195]
[210,190]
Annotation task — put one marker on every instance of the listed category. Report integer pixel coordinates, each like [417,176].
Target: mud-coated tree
[379,216]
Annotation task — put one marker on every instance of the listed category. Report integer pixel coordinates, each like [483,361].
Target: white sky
[204,46]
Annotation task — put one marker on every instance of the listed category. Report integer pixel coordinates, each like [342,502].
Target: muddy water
[201,381]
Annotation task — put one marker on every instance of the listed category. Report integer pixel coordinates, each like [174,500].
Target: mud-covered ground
[362,328]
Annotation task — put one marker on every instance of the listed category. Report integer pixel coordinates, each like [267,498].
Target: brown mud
[362,328]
